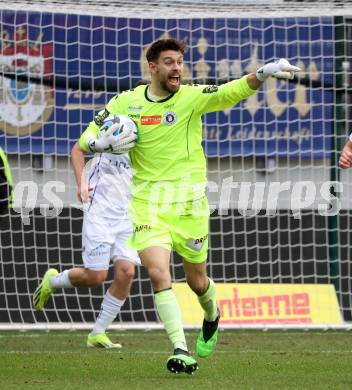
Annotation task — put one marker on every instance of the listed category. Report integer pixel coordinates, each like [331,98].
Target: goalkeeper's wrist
[261,75]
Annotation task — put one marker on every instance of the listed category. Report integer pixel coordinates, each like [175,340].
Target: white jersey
[106,224]
[110,179]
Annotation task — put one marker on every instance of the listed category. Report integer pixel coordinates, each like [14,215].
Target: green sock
[170,314]
[208,302]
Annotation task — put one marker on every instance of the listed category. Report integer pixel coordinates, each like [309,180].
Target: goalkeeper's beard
[166,87]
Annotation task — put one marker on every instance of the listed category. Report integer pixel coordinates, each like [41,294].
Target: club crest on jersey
[169,118]
[25,106]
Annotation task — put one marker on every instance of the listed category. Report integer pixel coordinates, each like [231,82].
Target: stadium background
[80,73]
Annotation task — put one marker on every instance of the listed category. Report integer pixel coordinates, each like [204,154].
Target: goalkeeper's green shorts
[182,227]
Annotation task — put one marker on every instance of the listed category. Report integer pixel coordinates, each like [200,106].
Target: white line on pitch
[80,352]
[126,333]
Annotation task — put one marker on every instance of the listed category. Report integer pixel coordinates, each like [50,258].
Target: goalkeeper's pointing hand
[280,69]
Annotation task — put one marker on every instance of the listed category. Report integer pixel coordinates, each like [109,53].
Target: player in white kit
[106,227]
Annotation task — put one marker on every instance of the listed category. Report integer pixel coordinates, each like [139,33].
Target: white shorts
[105,240]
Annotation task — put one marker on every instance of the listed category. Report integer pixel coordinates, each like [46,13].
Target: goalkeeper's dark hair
[161,45]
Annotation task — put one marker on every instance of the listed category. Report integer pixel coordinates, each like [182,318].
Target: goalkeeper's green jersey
[168,160]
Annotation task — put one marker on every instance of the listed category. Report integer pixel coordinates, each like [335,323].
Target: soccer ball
[124,124]
[123,120]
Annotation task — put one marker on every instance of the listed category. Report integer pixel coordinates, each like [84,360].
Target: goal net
[280,224]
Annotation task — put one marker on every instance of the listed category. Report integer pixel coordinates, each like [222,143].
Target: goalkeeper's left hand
[280,69]
[110,143]
[125,145]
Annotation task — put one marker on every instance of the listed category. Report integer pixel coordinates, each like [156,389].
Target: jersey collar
[159,101]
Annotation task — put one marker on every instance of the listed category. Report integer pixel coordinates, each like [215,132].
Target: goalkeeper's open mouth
[174,80]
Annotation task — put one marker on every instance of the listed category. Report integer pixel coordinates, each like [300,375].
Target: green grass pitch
[242,360]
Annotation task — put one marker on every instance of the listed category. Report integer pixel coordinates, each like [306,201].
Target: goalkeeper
[106,228]
[169,209]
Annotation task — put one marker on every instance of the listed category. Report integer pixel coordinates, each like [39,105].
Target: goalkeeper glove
[110,143]
[124,145]
[280,69]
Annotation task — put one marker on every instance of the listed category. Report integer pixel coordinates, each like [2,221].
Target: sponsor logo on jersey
[135,108]
[99,119]
[169,118]
[141,228]
[25,106]
[151,120]
[210,89]
[134,116]
[197,243]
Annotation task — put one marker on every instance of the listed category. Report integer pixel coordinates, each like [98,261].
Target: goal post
[279,244]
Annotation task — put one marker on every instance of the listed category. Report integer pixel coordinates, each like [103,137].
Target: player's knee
[159,276]
[199,285]
[129,274]
[126,273]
